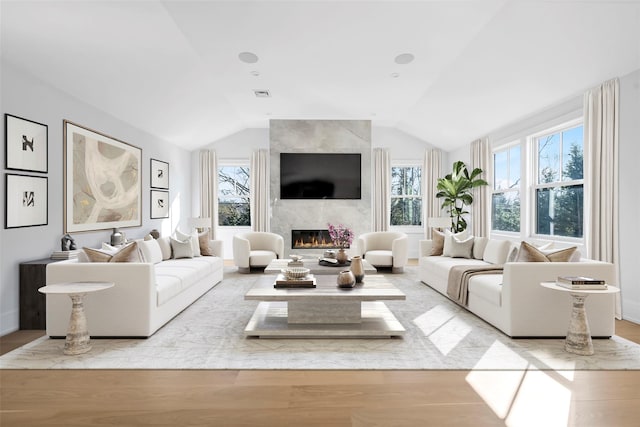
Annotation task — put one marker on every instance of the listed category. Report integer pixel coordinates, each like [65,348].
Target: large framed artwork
[159,174]
[26,201]
[159,204]
[26,144]
[102,181]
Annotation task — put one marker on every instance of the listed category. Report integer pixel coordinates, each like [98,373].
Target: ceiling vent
[262,93]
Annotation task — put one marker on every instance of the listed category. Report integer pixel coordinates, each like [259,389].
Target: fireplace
[311,239]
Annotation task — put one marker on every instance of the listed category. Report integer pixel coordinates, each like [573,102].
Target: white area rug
[440,335]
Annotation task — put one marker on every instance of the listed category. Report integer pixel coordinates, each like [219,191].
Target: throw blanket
[459,275]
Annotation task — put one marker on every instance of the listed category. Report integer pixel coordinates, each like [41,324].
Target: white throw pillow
[448,236]
[151,251]
[165,247]
[479,245]
[182,249]
[496,251]
[193,238]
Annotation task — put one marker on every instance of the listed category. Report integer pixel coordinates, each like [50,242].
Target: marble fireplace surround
[319,136]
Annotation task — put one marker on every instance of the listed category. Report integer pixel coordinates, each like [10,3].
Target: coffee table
[325,311]
[276,265]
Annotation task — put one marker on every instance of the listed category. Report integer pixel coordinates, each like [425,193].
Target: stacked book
[306,282]
[72,254]
[581,283]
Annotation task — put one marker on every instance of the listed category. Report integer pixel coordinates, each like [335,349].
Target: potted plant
[455,188]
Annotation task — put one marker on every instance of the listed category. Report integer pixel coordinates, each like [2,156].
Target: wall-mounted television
[320,176]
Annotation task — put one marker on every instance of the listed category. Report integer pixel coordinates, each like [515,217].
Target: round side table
[578,339]
[77,340]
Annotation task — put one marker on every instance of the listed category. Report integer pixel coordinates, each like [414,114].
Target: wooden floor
[318,398]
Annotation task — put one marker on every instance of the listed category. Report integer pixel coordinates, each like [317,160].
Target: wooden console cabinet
[33,275]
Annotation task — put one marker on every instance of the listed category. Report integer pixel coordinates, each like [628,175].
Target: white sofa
[514,301]
[146,295]
[256,249]
[384,249]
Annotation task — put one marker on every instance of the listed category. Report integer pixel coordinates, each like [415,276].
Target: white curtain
[209,189]
[601,115]
[260,191]
[381,189]
[431,171]
[480,152]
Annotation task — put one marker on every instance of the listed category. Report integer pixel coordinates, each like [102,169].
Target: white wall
[629,195]
[25,96]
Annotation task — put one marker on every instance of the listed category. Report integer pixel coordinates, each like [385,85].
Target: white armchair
[256,249]
[384,249]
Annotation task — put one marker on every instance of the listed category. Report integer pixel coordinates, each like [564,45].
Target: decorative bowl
[293,273]
[295,258]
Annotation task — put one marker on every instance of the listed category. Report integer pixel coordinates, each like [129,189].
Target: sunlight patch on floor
[443,328]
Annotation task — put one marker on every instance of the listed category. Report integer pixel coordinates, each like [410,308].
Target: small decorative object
[26,144]
[357,268]
[341,237]
[26,201]
[159,174]
[117,238]
[293,273]
[159,204]
[67,243]
[296,261]
[346,279]
[329,253]
[155,234]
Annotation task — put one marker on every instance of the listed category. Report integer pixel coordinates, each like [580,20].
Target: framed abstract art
[102,181]
[159,174]
[26,201]
[26,144]
[159,204]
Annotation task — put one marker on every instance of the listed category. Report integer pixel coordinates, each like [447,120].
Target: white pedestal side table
[578,339]
[77,340]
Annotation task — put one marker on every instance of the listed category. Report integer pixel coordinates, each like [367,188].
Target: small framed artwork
[102,181]
[26,144]
[27,201]
[159,204]
[159,174]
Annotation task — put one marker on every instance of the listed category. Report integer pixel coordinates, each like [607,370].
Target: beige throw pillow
[182,249]
[462,248]
[129,253]
[437,238]
[529,253]
[203,239]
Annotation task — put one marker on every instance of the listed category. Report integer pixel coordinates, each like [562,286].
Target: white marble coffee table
[77,340]
[325,311]
[277,265]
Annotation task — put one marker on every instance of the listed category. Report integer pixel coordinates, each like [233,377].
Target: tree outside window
[505,200]
[560,180]
[233,196]
[406,195]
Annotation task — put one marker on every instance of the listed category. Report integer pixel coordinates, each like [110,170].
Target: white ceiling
[171,68]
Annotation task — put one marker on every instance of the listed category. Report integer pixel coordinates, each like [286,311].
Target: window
[233,196]
[559,196]
[505,200]
[406,195]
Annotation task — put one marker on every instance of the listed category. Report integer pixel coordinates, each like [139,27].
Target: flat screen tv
[320,176]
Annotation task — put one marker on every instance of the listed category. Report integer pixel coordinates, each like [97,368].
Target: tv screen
[320,176]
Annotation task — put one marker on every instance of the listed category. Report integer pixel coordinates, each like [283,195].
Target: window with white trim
[559,184]
[233,195]
[505,199]
[406,195]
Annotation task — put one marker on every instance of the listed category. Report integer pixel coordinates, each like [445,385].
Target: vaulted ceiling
[172,68]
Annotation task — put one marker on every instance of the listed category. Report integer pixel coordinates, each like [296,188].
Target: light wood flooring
[318,398]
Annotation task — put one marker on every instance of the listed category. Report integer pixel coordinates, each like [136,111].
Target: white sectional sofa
[514,301]
[146,295]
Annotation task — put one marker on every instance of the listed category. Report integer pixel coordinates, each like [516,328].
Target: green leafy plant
[455,188]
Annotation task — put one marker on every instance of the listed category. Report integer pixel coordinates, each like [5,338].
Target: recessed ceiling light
[395,75]
[255,73]
[404,58]
[262,93]
[248,57]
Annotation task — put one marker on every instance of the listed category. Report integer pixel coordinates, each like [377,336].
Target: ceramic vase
[357,268]
[346,279]
[342,257]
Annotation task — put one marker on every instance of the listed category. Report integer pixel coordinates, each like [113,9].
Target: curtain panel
[259,200]
[209,189]
[381,189]
[480,208]
[431,171]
